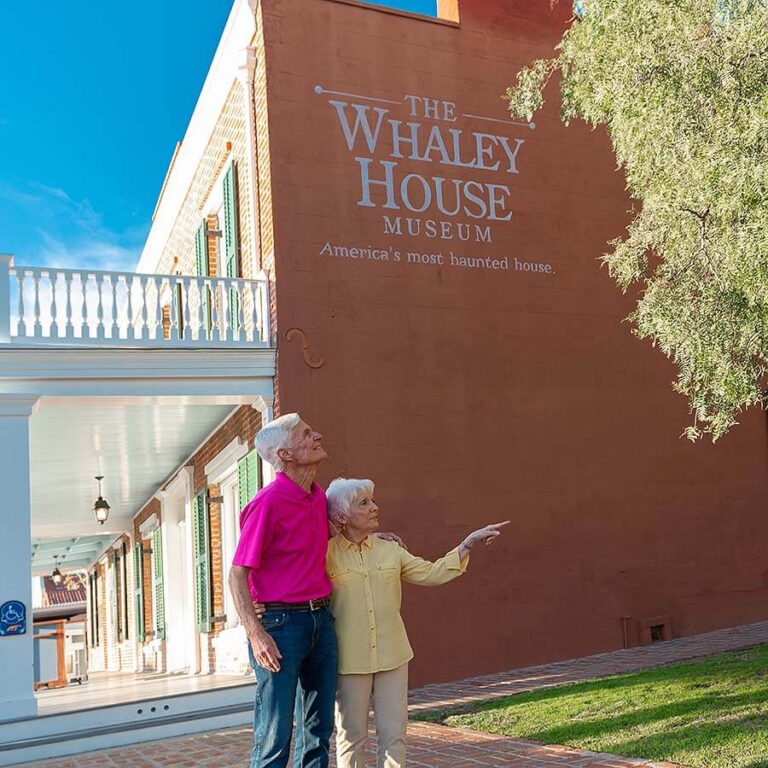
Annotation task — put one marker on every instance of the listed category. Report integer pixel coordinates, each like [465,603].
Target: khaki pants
[390,712]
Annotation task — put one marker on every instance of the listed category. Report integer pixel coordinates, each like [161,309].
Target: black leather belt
[310,605]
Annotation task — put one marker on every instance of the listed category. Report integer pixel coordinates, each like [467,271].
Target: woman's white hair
[274,436]
[342,493]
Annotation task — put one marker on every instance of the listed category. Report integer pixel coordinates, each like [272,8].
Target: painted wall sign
[461,194]
[13,618]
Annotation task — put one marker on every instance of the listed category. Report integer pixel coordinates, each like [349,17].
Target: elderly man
[280,561]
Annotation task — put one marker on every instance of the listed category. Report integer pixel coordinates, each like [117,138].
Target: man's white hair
[274,436]
[342,493]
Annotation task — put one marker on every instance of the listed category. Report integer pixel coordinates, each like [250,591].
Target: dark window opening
[657,633]
[424,7]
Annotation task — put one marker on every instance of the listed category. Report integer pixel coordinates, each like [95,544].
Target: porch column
[265,407]
[17,698]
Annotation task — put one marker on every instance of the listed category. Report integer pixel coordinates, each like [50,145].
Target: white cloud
[71,233]
[85,253]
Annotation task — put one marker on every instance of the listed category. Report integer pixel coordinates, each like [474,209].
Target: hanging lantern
[101,507]
[57,577]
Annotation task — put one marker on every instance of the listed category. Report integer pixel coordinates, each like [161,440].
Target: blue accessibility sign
[13,618]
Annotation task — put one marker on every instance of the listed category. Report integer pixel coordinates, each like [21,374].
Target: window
[426,7]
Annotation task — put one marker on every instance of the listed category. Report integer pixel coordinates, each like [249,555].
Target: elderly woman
[374,651]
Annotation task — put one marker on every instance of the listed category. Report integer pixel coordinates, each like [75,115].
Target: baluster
[130,332]
[115,332]
[264,312]
[21,326]
[226,313]
[201,324]
[242,333]
[38,324]
[174,307]
[185,307]
[68,307]
[158,329]
[100,329]
[224,319]
[216,311]
[86,329]
[144,312]
[53,279]
[254,318]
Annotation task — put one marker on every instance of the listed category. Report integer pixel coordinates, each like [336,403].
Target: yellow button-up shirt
[366,599]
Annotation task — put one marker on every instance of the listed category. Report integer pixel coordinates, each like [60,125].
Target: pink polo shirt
[283,540]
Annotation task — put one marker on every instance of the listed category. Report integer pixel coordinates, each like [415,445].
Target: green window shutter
[157,582]
[138,591]
[231,233]
[254,473]
[203,270]
[201,250]
[248,477]
[242,482]
[202,535]
[117,627]
[232,241]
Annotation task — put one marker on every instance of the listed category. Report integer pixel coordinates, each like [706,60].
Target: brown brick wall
[244,423]
[227,142]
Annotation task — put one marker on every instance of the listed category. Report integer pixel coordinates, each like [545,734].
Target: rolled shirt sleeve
[416,570]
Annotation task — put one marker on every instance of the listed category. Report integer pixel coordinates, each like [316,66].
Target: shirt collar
[292,488]
[346,544]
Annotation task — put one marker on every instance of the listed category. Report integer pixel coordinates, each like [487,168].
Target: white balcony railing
[40,305]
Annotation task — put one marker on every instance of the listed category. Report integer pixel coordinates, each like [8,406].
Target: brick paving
[436,746]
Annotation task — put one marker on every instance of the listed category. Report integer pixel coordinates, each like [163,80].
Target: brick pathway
[435,746]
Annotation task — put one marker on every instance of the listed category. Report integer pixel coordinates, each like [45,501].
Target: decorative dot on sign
[318,89]
[166,707]
[139,711]
[154,709]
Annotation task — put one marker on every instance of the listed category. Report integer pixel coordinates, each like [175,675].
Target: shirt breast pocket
[341,576]
[388,571]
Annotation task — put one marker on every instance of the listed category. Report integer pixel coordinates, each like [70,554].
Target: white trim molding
[221,465]
[265,405]
[149,526]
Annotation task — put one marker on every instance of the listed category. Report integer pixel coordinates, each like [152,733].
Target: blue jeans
[306,681]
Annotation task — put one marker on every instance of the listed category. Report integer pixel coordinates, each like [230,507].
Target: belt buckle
[316,605]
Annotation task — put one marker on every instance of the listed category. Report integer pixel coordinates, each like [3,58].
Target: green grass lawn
[711,712]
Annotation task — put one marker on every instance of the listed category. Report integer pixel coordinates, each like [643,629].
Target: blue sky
[95,96]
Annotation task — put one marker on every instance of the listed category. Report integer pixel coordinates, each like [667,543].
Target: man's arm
[264,648]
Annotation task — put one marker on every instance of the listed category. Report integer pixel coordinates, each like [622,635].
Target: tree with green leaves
[681,86]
